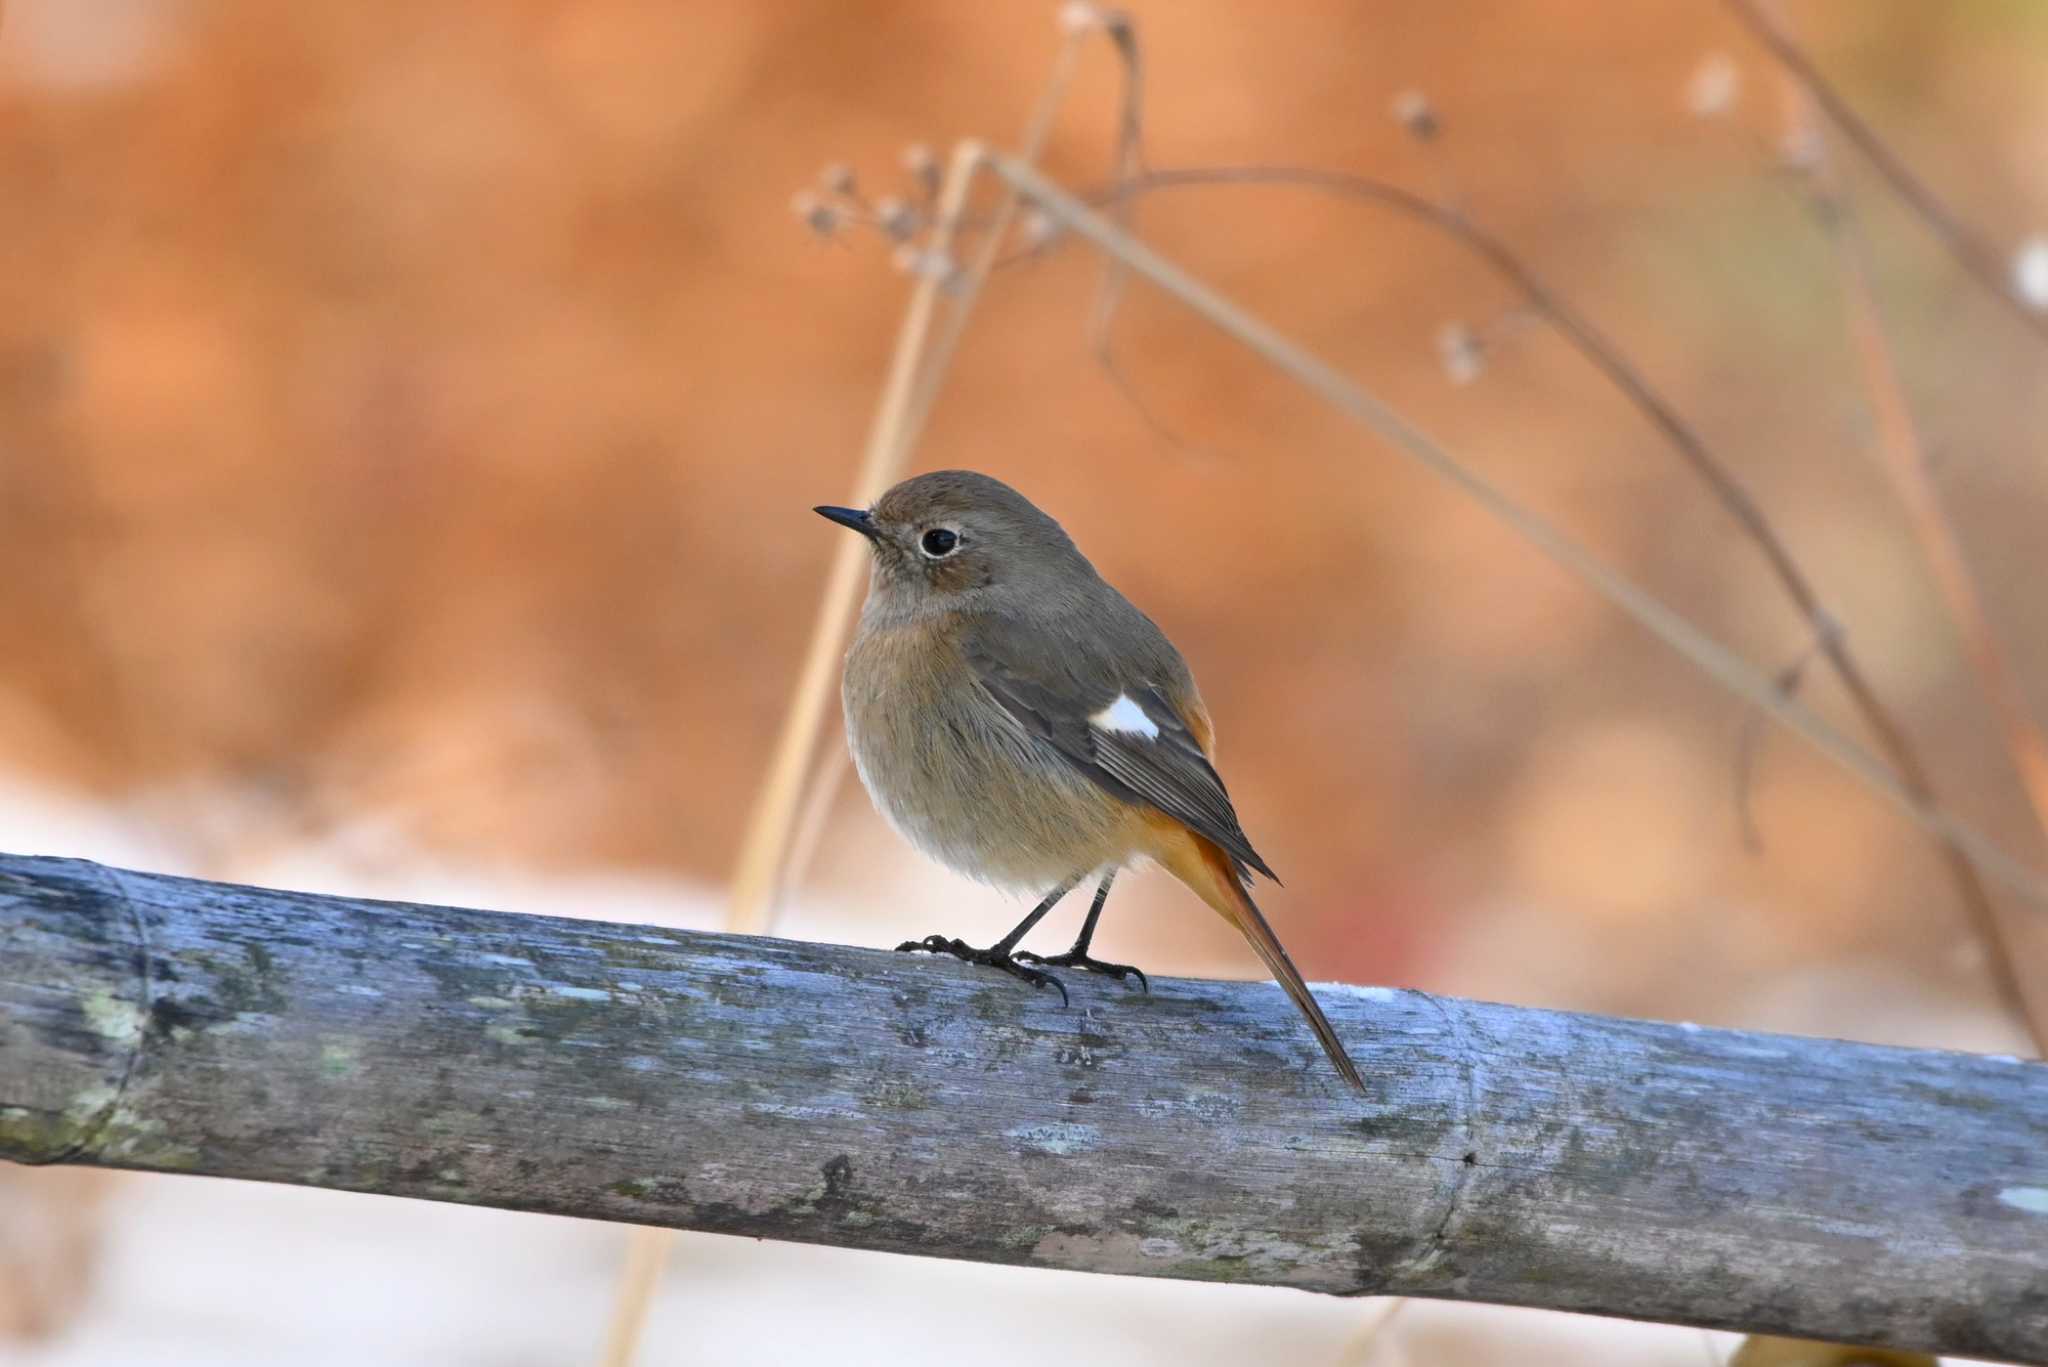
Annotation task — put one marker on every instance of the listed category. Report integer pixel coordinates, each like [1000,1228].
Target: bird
[1016,718]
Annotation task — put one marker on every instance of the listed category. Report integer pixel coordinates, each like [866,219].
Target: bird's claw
[987,958]
[1078,960]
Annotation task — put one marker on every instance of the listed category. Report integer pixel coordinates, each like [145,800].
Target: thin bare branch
[1129,161]
[1609,359]
[1749,741]
[1344,394]
[1369,1338]
[916,370]
[1904,457]
[828,775]
[1964,243]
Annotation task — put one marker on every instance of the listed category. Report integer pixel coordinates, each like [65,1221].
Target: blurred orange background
[410,415]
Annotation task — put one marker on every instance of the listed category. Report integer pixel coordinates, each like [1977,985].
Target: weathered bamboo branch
[830,1095]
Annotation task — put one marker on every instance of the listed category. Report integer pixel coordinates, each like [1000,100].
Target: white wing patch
[1125,715]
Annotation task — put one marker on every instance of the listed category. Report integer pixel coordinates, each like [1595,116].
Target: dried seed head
[2030,273]
[1077,17]
[1036,229]
[1413,111]
[924,264]
[817,214]
[922,164]
[838,179]
[1462,353]
[1801,149]
[1714,87]
[898,221]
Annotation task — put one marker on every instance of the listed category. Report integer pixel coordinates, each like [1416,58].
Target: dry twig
[1905,461]
[916,369]
[1352,399]
[1609,359]
[1962,242]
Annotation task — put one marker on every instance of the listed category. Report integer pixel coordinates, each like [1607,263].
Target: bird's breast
[960,778]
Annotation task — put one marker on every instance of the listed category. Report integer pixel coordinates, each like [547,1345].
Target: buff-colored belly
[964,782]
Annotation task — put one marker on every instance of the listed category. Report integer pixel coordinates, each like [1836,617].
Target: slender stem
[1344,394]
[821,791]
[774,813]
[1962,242]
[916,368]
[965,291]
[897,430]
[646,1254]
[1608,358]
[1370,1337]
[1904,457]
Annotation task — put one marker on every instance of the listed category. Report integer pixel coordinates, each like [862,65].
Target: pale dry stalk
[1712,658]
[1685,439]
[1962,242]
[830,770]
[916,369]
[1904,458]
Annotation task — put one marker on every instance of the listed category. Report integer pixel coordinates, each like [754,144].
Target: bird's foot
[1079,958]
[987,958]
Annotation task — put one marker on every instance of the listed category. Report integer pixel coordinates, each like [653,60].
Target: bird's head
[943,539]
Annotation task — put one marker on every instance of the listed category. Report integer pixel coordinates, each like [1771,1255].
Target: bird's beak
[860,519]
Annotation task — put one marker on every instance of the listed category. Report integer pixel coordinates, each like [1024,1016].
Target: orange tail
[1207,870]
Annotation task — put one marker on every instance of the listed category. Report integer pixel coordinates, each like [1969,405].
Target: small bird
[1016,718]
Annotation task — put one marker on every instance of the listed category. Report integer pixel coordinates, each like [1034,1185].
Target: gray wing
[1114,720]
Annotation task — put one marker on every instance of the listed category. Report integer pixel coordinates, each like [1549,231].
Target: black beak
[860,519]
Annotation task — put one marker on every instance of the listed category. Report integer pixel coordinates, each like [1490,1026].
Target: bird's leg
[1078,956]
[1002,954]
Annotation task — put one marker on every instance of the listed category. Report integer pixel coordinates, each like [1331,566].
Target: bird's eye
[940,542]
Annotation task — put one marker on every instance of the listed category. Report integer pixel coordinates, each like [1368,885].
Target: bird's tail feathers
[1214,877]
